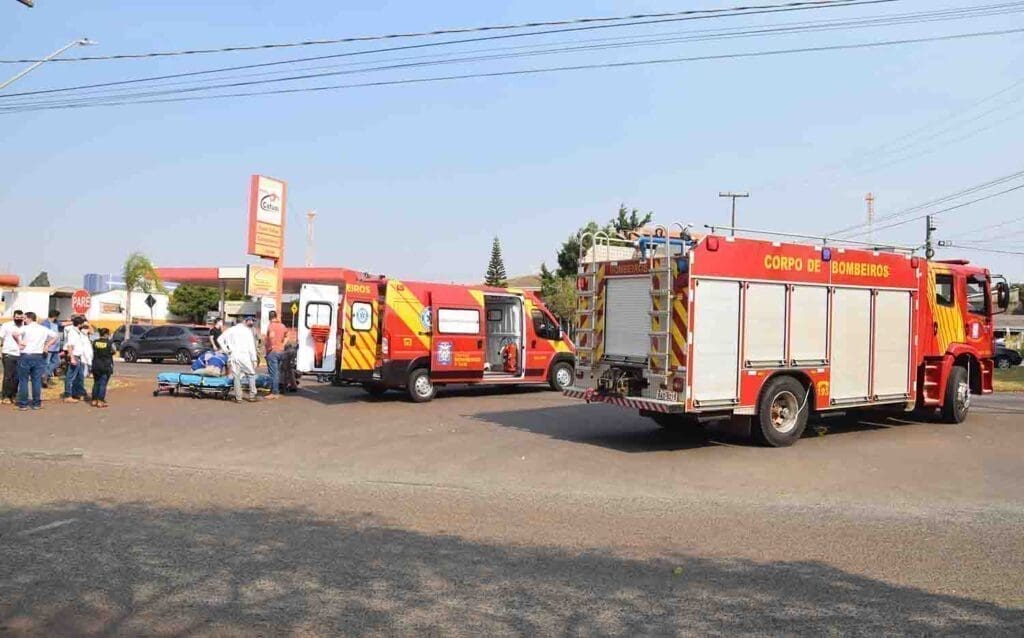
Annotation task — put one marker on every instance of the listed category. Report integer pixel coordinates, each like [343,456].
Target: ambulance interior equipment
[504,335]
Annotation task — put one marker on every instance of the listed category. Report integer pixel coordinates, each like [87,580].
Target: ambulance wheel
[421,388]
[375,389]
[560,376]
[781,413]
[957,401]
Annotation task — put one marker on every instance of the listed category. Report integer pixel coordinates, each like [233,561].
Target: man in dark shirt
[215,333]
[102,367]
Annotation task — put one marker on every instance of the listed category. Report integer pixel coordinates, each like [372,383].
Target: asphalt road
[516,513]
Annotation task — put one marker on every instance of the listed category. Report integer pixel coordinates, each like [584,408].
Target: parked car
[118,337]
[1006,357]
[182,343]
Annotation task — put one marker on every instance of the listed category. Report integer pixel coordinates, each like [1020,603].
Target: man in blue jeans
[52,324]
[276,340]
[74,344]
[33,340]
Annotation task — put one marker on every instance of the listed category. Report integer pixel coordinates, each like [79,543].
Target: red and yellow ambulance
[681,327]
[389,334]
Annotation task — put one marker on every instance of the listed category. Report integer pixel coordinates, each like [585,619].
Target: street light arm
[78,42]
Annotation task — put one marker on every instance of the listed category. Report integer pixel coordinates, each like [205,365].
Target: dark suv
[182,343]
[118,337]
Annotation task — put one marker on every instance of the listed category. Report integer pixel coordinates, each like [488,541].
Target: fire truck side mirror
[1002,295]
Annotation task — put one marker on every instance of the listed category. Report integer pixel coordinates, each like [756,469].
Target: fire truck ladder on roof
[660,249]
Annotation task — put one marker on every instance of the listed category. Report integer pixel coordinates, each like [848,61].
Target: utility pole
[733,196]
[929,228]
[870,199]
[310,216]
[79,42]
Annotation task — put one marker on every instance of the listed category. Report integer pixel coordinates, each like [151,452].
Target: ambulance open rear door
[318,329]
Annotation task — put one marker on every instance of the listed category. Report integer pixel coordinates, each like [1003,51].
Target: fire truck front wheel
[421,388]
[957,401]
[781,412]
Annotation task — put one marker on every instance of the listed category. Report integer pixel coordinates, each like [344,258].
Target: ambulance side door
[545,335]
[457,349]
[318,328]
[361,328]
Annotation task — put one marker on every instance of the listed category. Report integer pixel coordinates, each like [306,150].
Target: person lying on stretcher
[210,364]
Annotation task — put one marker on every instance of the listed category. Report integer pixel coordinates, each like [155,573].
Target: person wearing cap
[239,342]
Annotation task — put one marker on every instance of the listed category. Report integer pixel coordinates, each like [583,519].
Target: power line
[805,4]
[534,71]
[982,250]
[935,202]
[604,43]
[944,210]
[778,9]
[975,231]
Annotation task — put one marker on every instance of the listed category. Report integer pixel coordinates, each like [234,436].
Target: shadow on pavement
[333,395]
[625,431]
[87,569]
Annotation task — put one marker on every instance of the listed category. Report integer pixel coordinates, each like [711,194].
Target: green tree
[193,301]
[569,253]
[559,294]
[139,275]
[628,221]
[42,280]
[496,268]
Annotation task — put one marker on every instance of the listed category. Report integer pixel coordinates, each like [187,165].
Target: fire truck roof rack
[821,238]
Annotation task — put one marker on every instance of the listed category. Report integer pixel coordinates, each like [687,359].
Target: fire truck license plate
[668,395]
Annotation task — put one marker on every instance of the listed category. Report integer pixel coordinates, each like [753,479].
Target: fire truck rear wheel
[781,413]
[421,388]
[560,376]
[957,401]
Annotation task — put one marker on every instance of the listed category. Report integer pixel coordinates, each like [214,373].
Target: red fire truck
[416,336]
[682,327]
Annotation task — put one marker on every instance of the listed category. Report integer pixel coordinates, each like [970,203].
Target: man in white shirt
[74,345]
[239,342]
[11,352]
[33,341]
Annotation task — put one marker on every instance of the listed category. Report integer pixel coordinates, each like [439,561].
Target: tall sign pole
[267,214]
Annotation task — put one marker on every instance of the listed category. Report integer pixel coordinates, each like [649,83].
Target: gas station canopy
[233,278]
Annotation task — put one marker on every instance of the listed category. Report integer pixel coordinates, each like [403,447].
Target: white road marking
[43,528]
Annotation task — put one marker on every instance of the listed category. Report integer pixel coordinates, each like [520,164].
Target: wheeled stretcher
[201,386]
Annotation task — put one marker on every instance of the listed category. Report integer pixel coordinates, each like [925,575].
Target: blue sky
[414,180]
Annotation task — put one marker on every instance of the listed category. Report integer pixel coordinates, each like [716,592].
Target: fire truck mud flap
[640,403]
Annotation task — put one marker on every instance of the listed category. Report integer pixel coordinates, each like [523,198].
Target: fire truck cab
[386,334]
[682,327]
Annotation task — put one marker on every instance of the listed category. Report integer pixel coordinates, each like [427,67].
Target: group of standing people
[239,343]
[31,358]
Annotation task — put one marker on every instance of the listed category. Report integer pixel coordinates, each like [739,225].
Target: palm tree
[139,274]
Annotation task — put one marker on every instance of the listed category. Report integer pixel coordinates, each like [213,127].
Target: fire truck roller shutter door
[851,343]
[892,343]
[627,321]
[809,325]
[716,309]
[765,325]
